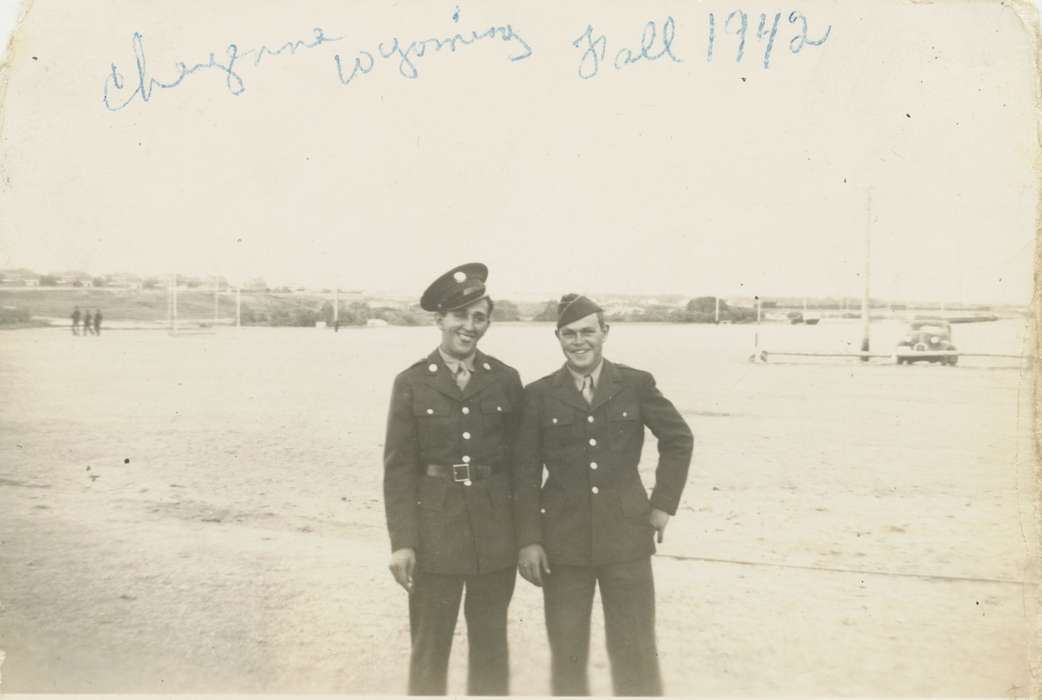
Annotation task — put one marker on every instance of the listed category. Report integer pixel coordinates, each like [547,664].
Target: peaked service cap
[459,287]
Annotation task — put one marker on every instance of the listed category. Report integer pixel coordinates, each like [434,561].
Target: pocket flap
[624,411]
[495,405]
[558,416]
[431,405]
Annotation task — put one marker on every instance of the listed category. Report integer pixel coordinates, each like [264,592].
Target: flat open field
[203,513]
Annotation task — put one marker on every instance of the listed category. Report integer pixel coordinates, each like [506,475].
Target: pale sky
[663,177]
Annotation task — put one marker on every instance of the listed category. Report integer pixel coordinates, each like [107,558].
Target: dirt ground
[203,514]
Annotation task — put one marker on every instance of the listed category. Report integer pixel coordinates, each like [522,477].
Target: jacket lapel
[564,390]
[480,379]
[442,380]
[609,385]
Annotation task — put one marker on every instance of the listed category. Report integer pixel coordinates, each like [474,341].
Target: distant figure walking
[76,321]
[87,323]
[97,321]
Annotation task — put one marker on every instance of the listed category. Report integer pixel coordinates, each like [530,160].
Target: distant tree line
[698,310]
[304,312]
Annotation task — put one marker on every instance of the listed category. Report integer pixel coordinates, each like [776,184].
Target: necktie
[587,390]
[462,376]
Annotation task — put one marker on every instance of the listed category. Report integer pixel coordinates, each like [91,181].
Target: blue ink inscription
[365,61]
[595,48]
[647,43]
[590,61]
[764,31]
[743,26]
[760,33]
[798,42]
[712,37]
[655,45]
[115,97]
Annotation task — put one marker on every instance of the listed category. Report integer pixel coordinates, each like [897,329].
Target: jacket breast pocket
[435,416]
[625,427]
[495,410]
[557,428]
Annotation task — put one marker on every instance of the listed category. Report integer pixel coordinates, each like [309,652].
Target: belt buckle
[461,472]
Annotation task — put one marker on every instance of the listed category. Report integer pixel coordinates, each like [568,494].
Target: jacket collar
[443,380]
[564,387]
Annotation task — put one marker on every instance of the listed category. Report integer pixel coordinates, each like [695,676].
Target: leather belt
[460,472]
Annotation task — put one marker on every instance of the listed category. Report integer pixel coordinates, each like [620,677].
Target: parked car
[927,341]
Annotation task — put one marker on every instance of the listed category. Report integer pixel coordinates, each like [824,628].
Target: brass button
[466,435]
[595,490]
[593,465]
[430,411]
[465,459]
[465,410]
[589,419]
[593,442]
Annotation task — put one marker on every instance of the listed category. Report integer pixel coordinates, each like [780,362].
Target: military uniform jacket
[593,509]
[455,528]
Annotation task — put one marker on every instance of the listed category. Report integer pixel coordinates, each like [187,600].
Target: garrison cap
[459,287]
[572,307]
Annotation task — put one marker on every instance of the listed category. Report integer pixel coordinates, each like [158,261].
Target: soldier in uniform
[450,433]
[592,523]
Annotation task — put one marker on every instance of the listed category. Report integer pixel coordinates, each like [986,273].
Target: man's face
[582,342]
[461,329]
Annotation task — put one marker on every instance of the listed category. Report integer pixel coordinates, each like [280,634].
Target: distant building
[349,296]
[388,302]
[256,284]
[623,310]
[19,278]
[123,280]
[69,278]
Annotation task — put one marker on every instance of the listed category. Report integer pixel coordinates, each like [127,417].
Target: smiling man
[592,524]
[450,434]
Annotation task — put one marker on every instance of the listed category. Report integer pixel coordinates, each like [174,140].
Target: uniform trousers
[433,609]
[628,599]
